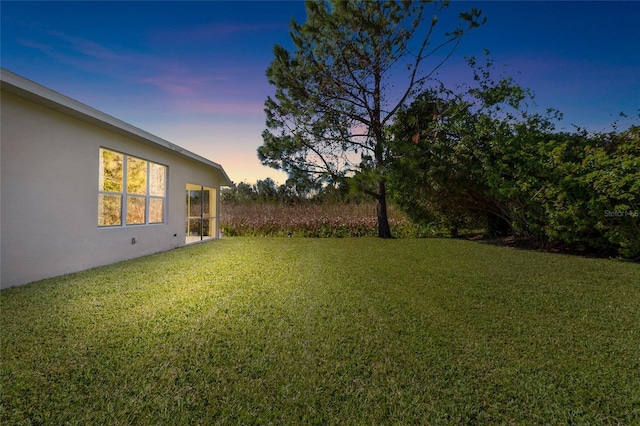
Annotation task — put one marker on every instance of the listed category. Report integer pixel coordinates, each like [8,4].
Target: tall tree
[354,65]
[468,153]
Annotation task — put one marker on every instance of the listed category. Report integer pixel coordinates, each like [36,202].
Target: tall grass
[313,220]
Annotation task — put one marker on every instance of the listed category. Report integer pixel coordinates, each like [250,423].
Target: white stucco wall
[49,189]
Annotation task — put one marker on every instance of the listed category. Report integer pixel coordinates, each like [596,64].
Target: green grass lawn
[327,331]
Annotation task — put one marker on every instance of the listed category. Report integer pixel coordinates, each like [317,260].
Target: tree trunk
[384,231]
[497,226]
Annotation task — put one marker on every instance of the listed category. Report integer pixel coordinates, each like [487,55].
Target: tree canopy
[478,155]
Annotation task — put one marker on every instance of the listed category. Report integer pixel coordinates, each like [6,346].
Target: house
[81,189]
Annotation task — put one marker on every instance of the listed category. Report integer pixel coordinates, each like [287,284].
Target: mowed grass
[327,331]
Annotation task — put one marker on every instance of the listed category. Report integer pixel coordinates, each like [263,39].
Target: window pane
[209,202]
[205,202]
[136,176]
[109,210]
[193,227]
[156,210]
[135,210]
[195,203]
[157,176]
[206,228]
[111,166]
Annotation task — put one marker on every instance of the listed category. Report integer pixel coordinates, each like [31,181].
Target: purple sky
[194,72]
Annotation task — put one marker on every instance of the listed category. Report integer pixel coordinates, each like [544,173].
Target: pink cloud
[201,89]
[95,57]
[181,83]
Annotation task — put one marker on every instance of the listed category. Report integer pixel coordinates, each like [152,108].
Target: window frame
[125,195]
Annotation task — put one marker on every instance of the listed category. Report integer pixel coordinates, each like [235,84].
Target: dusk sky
[193,73]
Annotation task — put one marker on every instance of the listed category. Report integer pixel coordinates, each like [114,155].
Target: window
[130,188]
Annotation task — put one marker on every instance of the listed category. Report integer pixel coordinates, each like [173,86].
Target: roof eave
[35,92]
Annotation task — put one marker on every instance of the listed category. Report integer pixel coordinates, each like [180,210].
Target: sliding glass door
[201,213]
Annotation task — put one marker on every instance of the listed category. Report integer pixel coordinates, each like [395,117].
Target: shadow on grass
[530,244]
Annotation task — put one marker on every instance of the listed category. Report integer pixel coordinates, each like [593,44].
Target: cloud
[86,54]
[181,85]
[166,71]
[91,49]
[211,32]
[134,67]
[42,47]
[180,81]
